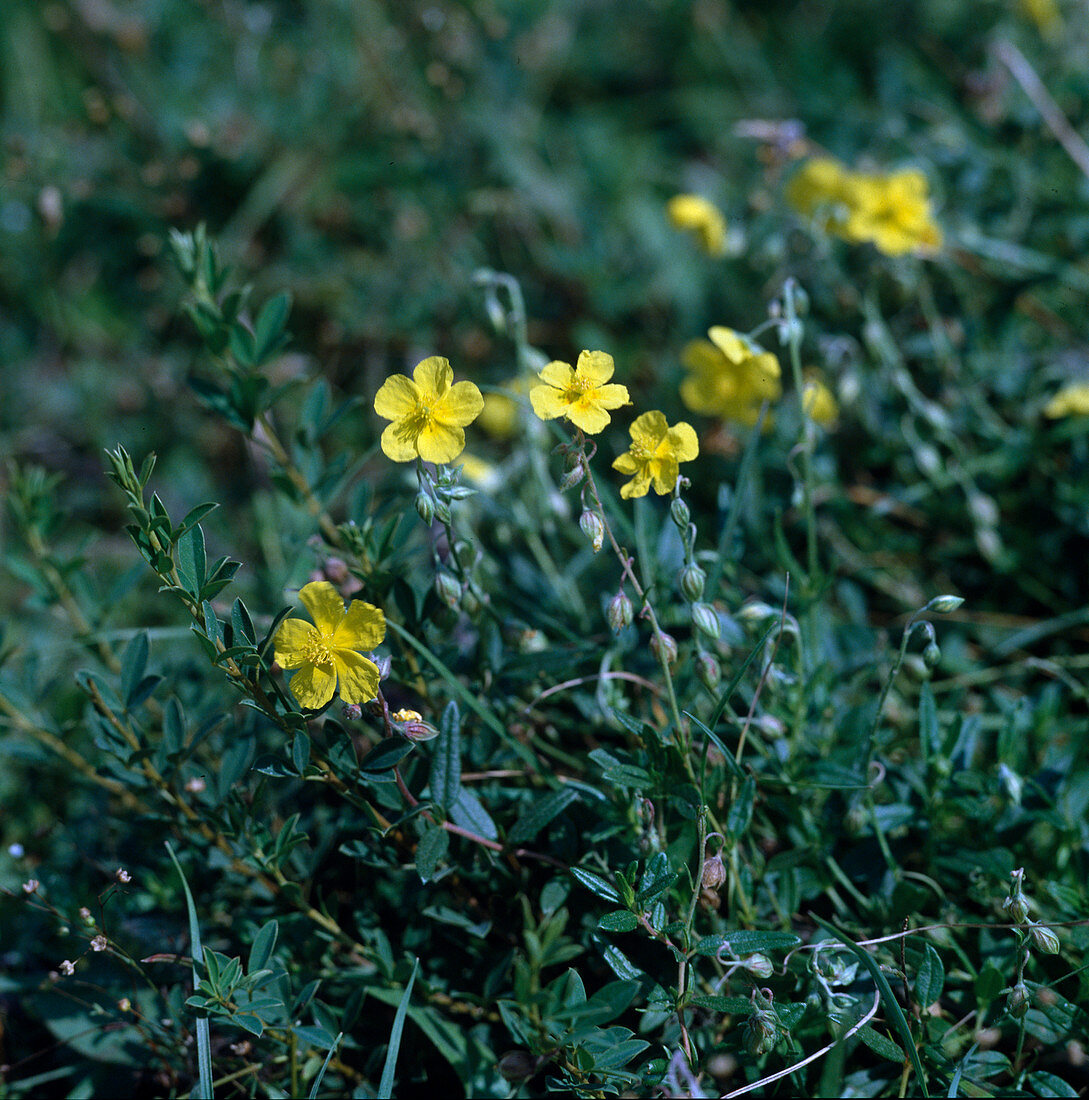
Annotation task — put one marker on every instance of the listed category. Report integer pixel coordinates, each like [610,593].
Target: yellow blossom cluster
[730,377]
[700,217]
[890,210]
[1071,400]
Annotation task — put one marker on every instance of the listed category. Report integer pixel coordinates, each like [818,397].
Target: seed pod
[593,528]
[1017,1003]
[425,508]
[758,964]
[664,645]
[714,873]
[572,478]
[706,621]
[708,670]
[761,1032]
[1044,939]
[680,513]
[932,655]
[691,582]
[619,612]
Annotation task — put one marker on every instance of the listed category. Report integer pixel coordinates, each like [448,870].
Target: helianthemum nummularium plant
[581,394]
[655,454]
[326,652]
[429,413]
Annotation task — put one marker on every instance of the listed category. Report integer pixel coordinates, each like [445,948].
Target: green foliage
[792,773]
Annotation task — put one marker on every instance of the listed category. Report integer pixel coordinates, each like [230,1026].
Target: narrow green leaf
[740,812]
[324,1066]
[468,813]
[385,1086]
[192,559]
[431,851]
[930,738]
[882,1045]
[539,814]
[133,666]
[386,755]
[595,883]
[743,941]
[300,751]
[242,624]
[620,920]
[268,330]
[445,778]
[203,1091]
[930,978]
[1047,1084]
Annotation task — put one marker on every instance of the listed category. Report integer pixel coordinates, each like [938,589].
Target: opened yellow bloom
[428,413]
[818,402]
[731,377]
[892,211]
[1072,400]
[326,651]
[655,454]
[701,217]
[582,394]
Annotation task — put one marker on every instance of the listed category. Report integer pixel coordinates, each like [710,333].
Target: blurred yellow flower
[655,452]
[700,217]
[428,413]
[499,417]
[731,377]
[892,211]
[579,393]
[326,653]
[1071,400]
[818,402]
[483,474]
[1046,14]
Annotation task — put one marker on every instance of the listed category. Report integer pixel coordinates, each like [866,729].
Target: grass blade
[385,1086]
[203,1091]
[325,1066]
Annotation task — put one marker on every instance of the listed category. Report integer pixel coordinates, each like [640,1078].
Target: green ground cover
[731,744]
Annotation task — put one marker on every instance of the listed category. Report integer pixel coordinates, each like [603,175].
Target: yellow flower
[1046,14]
[580,394]
[479,471]
[818,402]
[894,212]
[1071,400]
[325,653]
[428,413]
[499,417]
[731,377]
[701,217]
[655,452]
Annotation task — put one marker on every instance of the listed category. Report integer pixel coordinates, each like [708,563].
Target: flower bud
[932,655]
[383,663]
[471,603]
[691,582]
[336,570]
[680,513]
[1017,1003]
[944,604]
[1015,904]
[758,964]
[411,724]
[448,587]
[708,671]
[664,647]
[352,712]
[714,873]
[1044,939]
[705,619]
[425,508]
[593,528]
[572,478]
[619,612]
[761,1032]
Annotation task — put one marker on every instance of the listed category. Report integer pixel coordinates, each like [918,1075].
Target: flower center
[318,649]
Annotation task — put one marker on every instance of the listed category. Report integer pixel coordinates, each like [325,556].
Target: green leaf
[540,813]
[930,738]
[596,884]
[881,1045]
[930,978]
[242,624]
[740,812]
[744,942]
[300,752]
[445,778]
[386,755]
[430,852]
[385,1086]
[620,920]
[989,984]
[1047,1084]
[468,813]
[268,330]
[133,666]
[617,961]
[173,727]
[324,1066]
[192,560]
[657,878]
[264,943]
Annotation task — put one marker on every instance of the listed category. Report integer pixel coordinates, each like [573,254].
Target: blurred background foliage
[370,157]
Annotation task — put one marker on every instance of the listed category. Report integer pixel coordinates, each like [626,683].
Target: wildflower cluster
[890,210]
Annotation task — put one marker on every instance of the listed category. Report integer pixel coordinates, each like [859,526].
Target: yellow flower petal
[596,367]
[664,473]
[397,397]
[626,464]
[461,405]
[547,402]
[313,685]
[683,442]
[399,442]
[363,627]
[440,443]
[358,677]
[433,375]
[499,416]
[291,644]
[649,429]
[590,417]
[560,375]
[637,487]
[729,343]
[325,605]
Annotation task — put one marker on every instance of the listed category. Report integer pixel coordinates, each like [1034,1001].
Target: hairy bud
[664,647]
[714,873]
[932,655]
[1044,939]
[593,528]
[1017,1003]
[705,619]
[692,579]
[680,513]
[708,670]
[944,604]
[425,508]
[619,612]
[761,1032]
[448,587]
